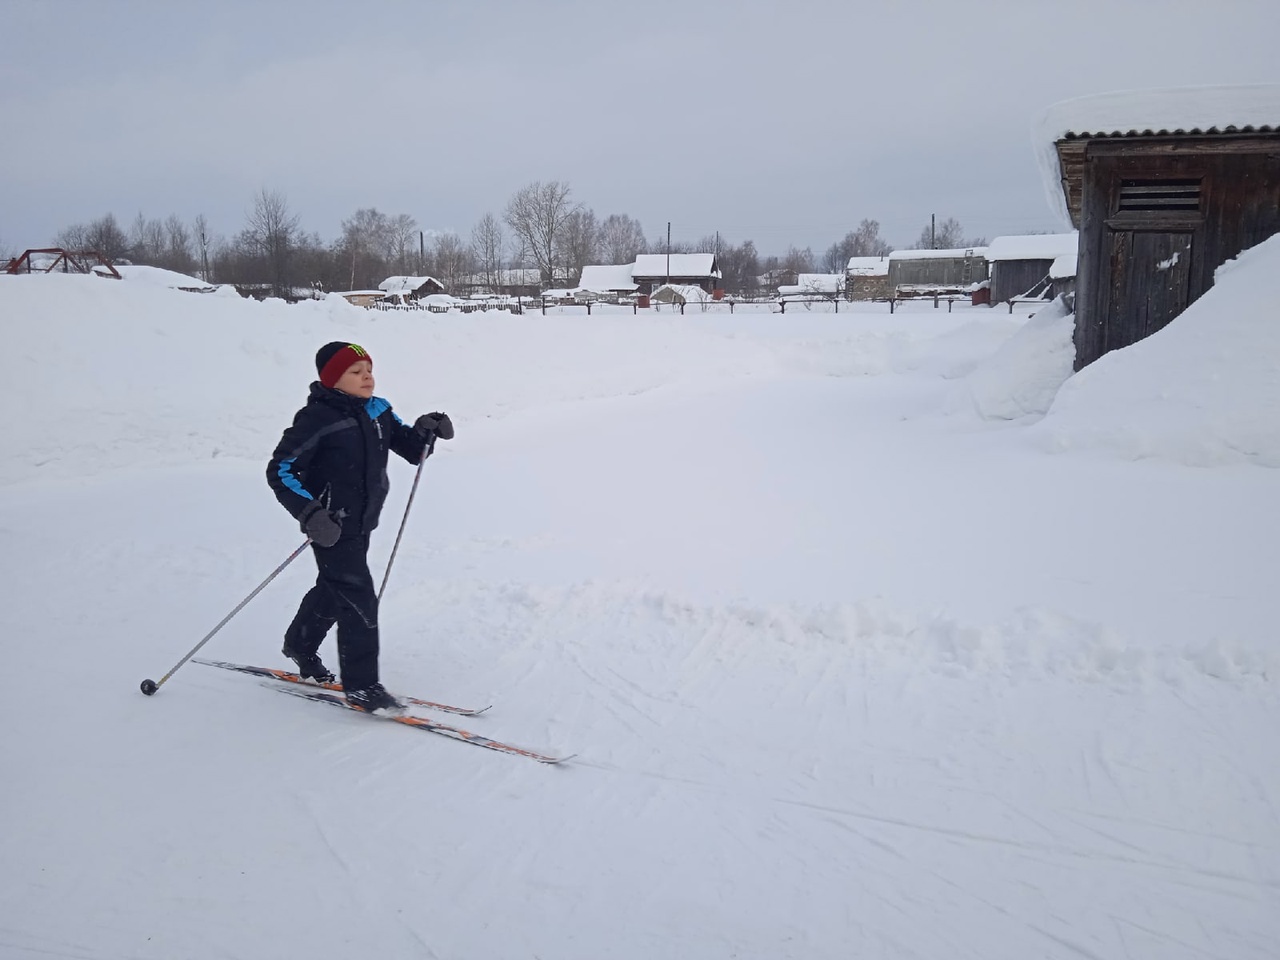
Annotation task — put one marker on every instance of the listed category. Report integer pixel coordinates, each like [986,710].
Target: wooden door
[1150,283]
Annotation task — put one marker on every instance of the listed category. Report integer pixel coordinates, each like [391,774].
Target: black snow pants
[344,595]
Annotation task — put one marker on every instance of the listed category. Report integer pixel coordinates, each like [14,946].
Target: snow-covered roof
[867,267]
[813,283]
[157,276]
[1063,268]
[406,284]
[680,293]
[516,276]
[1160,112]
[938,254]
[682,265]
[1045,246]
[602,278]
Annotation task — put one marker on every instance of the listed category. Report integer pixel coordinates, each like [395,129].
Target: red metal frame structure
[80,261]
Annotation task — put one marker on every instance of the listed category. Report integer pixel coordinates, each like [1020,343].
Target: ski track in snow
[839,682]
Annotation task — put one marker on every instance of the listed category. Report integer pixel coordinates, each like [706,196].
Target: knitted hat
[335,359]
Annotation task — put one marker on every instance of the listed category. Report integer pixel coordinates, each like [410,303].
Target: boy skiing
[330,472]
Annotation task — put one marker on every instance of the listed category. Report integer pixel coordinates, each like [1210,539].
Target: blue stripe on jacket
[285,473]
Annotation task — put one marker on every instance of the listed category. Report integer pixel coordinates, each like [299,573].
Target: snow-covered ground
[867,643]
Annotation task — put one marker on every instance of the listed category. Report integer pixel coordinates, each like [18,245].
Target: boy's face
[358,380]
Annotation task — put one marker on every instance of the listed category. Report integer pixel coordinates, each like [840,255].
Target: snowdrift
[1204,391]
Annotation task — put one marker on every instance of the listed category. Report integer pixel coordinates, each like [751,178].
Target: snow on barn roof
[1045,246]
[1148,113]
[867,267]
[1063,268]
[820,284]
[607,278]
[682,265]
[938,254]
[406,284]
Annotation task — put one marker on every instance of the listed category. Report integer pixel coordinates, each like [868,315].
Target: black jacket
[336,451]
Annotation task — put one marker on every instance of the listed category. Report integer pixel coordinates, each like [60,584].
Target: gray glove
[319,524]
[431,425]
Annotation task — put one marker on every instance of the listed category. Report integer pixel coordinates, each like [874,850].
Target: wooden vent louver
[1159,196]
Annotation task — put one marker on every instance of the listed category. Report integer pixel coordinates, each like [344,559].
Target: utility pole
[933,231]
[668,253]
[422,253]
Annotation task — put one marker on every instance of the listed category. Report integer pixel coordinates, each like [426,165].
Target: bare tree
[621,239]
[272,229]
[537,214]
[102,235]
[402,230]
[946,235]
[450,260]
[487,245]
[798,261]
[739,268]
[177,254]
[146,241]
[579,242]
[203,244]
[862,242]
[364,245]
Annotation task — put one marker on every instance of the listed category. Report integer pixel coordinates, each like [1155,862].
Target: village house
[412,288]
[682,269]
[1164,186]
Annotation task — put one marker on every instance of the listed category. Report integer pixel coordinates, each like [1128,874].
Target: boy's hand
[434,425]
[319,524]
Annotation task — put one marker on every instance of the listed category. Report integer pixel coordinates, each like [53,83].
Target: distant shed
[1164,186]
[1021,266]
[814,286]
[867,278]
[937,268]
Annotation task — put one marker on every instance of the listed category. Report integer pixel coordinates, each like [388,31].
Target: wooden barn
[937,269]
[1164,186]
[1021,267]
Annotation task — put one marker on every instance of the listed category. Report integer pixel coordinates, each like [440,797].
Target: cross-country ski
[427,725]
[288,677]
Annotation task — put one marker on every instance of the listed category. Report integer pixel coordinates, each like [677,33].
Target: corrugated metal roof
[1164,132]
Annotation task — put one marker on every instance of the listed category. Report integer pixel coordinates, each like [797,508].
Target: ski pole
[151,686]
[413,490]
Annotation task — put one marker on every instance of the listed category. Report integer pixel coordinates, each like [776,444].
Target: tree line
[542,227]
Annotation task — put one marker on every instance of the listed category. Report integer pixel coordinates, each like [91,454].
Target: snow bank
[1203,391]
[1024,375]
[142,374]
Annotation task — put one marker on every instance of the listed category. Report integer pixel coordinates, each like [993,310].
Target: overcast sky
[781,122]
